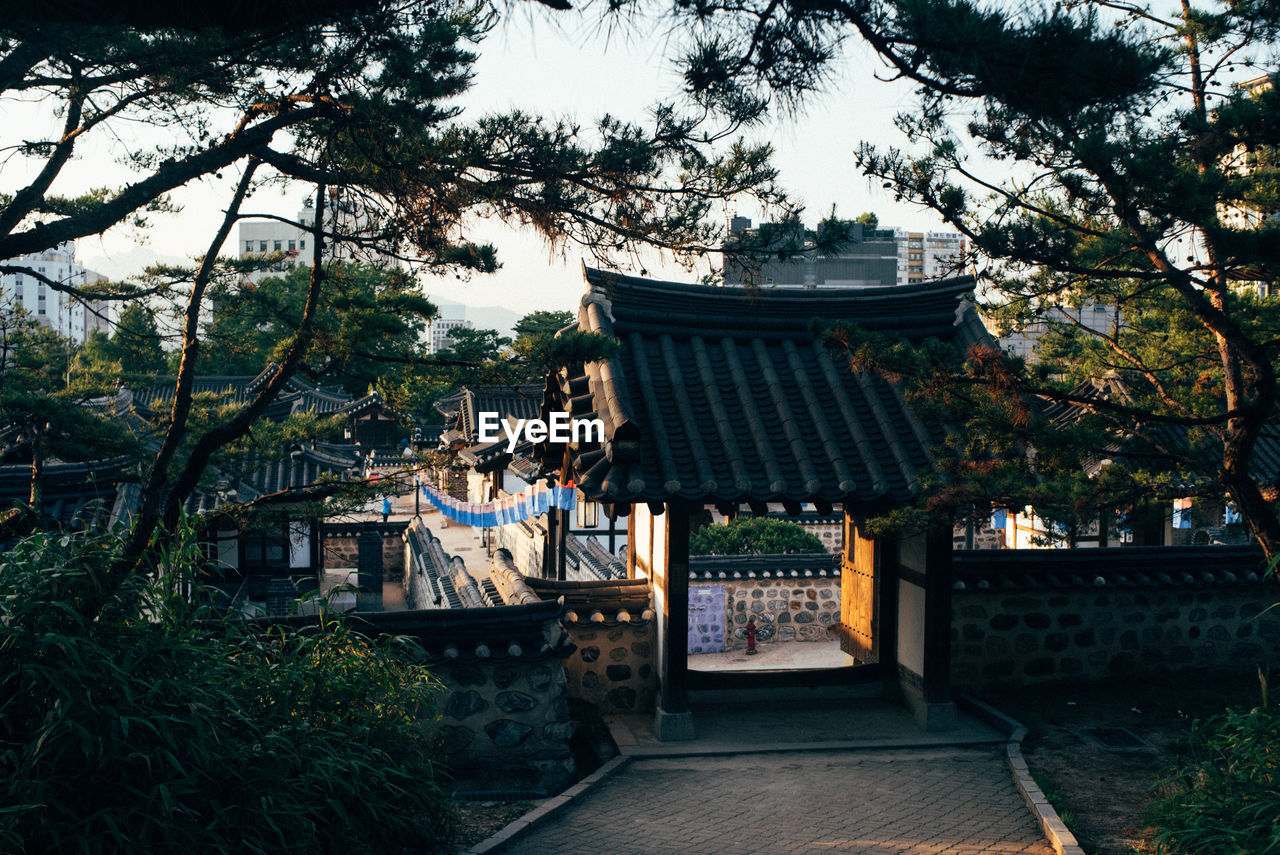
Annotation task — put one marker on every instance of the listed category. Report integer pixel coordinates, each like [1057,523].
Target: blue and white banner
[538,499]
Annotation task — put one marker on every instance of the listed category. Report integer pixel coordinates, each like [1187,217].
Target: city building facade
[61,312]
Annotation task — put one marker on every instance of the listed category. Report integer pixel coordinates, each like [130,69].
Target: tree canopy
[753,536]
[1093,152]
[362,103]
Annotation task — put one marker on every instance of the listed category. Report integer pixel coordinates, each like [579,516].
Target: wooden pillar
[672,720]
[937,636]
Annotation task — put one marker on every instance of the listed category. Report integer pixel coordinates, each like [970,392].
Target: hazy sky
[558,65]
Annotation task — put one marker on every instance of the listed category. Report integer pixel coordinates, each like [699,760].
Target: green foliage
[43,395]
[159,728]
[136,344]
[1223,795]
[753,536]
[1093,153]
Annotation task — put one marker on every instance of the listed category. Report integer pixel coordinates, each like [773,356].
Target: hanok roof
[463,409]
[298,396]
[725,394]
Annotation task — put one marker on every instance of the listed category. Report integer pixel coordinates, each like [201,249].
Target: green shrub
[753,535]
[154,728]
[1223,796]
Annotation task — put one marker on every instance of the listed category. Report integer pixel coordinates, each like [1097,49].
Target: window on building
[248,246]
[262,246]
[302,244]
[277,246]
[292,246]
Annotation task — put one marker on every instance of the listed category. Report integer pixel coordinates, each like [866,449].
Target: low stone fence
[790,597]
[503,717]
[612,625]
[1020,620]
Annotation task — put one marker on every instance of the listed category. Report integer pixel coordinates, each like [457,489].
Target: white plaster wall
[911,626]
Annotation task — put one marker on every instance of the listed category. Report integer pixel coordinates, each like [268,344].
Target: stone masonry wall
[1033,636]
[341,552]
[613,665]
[784,609]
[506,726]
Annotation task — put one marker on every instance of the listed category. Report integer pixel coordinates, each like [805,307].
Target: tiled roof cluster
[298,396]
[731,395]
[462,411]
[1112,567]
[79,496]
[254,474]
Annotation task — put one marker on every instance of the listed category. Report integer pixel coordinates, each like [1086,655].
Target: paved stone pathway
[960,801]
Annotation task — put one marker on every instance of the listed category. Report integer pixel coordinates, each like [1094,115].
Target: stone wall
[1022,637]
[613,665]
[784,609]
[506,726]
[340,552]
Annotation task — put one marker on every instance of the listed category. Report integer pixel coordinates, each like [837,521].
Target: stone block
[1003,622]
[618,673]
[507,733]
[589,654]
[1056,642]
[1036,620]
[465,704]
[512,702]
[640,648]
[504,676]
[1066,620]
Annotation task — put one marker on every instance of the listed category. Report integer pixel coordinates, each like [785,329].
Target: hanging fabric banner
[536,500]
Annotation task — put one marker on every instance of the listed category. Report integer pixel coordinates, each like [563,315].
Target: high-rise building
[294,239]
[61,312]
[438,330]
[264,237]
[925,256]
[864,257]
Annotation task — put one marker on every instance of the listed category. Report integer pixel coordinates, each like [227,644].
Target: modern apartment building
[438,330]
[866,257]
[926,256]
[1098,317]
[57,310]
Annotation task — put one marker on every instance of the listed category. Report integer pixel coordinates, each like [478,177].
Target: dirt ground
[1101,792]
[478,820]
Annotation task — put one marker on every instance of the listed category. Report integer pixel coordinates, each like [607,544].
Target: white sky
[560,65]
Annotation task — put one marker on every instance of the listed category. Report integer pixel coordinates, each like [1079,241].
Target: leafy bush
[1223,796]
[154,728]
[753,535]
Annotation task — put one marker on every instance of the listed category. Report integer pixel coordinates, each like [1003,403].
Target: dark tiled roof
[79,496]
[725,394]
[1112,567]
[519,401]
[298,396]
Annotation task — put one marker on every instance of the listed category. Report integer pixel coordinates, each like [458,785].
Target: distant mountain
[482,317]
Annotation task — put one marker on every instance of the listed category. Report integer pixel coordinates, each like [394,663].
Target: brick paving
[960,801]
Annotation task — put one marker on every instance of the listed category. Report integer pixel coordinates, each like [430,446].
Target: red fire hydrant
[751,637]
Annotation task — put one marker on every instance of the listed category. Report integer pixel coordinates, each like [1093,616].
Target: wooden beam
[674,668]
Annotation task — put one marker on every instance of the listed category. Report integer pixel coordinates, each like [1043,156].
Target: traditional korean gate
[860,595]
[706,619]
